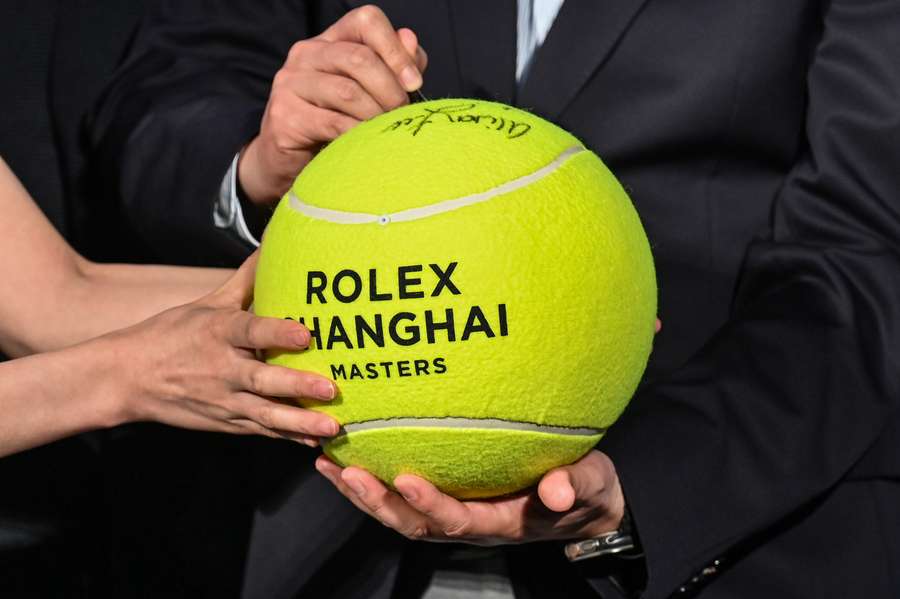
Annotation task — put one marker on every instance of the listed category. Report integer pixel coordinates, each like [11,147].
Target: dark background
[55,57]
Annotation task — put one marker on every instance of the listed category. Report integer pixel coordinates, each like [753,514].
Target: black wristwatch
[622,543]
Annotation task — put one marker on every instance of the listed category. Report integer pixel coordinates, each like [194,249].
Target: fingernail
[302,337]
[324,390]
[410,495]
[410,79]
[357,486]
[329,429]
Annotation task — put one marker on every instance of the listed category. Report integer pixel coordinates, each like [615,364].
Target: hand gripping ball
[478,284]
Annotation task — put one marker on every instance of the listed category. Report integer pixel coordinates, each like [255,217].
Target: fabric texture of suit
[758,142]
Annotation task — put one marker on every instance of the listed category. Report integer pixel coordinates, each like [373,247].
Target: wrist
[250,218]
[609,499]
[251,181]
[97,371]
[263,177]
[617,535]
[622,542]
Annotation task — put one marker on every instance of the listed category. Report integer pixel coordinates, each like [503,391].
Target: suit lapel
[582,37]
[485,34]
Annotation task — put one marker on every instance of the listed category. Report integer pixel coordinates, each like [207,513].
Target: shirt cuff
[228,214]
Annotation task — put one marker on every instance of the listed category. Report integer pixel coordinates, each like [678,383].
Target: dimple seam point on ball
[343,217]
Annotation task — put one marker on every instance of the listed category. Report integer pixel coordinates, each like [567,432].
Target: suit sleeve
[188,97]
[787,397]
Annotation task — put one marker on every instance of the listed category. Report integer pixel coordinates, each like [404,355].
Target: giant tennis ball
[478,284]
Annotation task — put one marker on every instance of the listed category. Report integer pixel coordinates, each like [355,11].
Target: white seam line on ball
[469,423]
[362,218]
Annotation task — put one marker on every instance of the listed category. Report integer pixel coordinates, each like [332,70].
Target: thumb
[556,490]
[563,487]
[237,292]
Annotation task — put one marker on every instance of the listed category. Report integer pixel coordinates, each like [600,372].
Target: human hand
[580,500]
[355,70]
[195,367]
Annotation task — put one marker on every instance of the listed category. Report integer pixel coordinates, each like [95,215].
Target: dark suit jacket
[759,142]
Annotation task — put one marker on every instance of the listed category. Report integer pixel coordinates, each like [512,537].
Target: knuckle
[265,416]
[331,126]
[517,533]
[367,14]
[456,529]
[361,56]
[283,140]
[298,50]
[257,383]
[256,429]
[347,90]
[416,533]
[397,57]
[252,332]
[293,123]
[271,434]
[340,127]
[277,109]
[280,79]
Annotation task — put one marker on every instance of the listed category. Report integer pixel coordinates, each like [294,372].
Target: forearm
[193,366]
[93,299]
[51,297]
[113,296]
[50,396]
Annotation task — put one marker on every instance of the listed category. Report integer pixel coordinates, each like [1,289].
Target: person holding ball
[91,354]
[758,143]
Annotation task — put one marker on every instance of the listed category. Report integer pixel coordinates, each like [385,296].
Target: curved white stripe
[470,423]
[360,218]
[334,216]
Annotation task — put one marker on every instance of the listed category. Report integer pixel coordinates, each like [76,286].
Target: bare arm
[51,297]
[193,366]
[49,396]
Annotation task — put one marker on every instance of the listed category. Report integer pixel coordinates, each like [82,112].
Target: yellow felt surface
[566,256]
[441,149]
[454,460]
